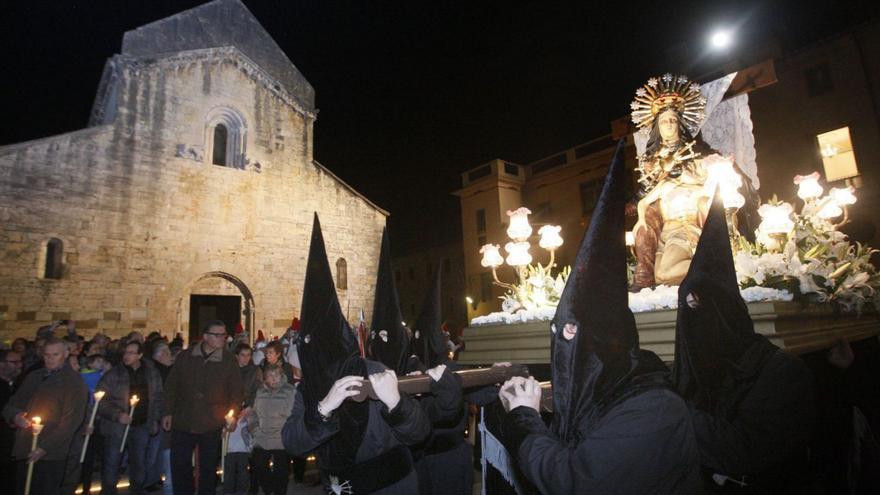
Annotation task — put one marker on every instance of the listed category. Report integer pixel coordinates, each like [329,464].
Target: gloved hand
[519,391]
[437,372]
[344,388]
[385,386]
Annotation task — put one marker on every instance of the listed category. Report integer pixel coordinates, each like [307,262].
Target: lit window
[837,155]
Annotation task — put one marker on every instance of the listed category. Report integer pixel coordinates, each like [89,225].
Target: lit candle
[491,257]
[98,396]
[550,238]
[723,176]
[132,403]
[36,427]
[230,418]
[518,253]
[808,186]
[519,228]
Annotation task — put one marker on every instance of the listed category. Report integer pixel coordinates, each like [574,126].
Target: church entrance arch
[216,296]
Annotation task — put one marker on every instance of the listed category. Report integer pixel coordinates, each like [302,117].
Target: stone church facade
[190,196]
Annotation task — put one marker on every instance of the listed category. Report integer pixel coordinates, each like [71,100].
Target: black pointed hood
[427,340]
[328,349]
[592,369]
[389,342]
[710,338]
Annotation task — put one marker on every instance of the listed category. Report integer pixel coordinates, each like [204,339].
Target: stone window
[225,138]
[218,154]
[341,274]
[54,259]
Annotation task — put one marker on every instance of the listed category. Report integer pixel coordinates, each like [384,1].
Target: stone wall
[144,217]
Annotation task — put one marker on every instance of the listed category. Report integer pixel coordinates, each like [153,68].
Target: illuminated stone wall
[146,220]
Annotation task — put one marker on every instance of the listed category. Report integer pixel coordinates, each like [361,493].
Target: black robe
[764,424]
[385,431]
[646,440]
[443,461]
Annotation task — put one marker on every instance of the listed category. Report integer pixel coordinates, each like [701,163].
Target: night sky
[412,93]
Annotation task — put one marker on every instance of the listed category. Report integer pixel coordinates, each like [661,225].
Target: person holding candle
[203,385]
[134,377]
[58,395]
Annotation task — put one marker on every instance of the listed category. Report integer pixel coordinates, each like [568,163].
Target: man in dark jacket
[133,377]
[752,403]
[617,427]
[361,446]
[57,395]
[204,384]
[10,371]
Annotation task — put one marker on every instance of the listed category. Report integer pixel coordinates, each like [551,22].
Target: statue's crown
[669,92]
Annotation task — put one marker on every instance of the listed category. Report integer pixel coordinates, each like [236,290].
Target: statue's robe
[382,453]
[644,444]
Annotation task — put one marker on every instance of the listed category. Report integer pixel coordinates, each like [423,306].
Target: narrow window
[54,255]
[838,157]
[221,135]
[481,220]
[341,274]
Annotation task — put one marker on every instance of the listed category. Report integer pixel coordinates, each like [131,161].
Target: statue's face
[667,124]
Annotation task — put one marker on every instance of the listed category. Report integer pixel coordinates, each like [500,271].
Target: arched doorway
[216,296]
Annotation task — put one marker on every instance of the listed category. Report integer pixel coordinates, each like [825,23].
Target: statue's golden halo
[669,92]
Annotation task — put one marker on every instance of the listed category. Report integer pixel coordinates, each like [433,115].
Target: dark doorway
[203,309]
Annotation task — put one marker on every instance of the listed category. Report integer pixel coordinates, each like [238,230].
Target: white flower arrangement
[814,261]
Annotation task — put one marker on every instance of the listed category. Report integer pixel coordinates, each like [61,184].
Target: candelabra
[519,230]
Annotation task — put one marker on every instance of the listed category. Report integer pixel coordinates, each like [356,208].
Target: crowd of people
[183,398]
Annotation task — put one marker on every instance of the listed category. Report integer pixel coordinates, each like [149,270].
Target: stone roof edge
[354,191]
[13,147]
[190,56]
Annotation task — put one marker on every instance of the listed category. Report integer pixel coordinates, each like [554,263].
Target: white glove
[344,388]
[519,391]
[437,372]
[385,386]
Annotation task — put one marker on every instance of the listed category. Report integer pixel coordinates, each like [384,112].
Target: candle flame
[99,395]
[36,420]
[134,399]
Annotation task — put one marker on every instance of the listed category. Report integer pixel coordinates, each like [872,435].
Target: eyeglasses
[215,334]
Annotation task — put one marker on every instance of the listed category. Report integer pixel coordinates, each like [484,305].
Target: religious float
[807,286]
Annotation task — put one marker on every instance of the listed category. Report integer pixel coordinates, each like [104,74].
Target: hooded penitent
[601,363]
[427,339]
[711,337]
[328,350]
[389,343]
